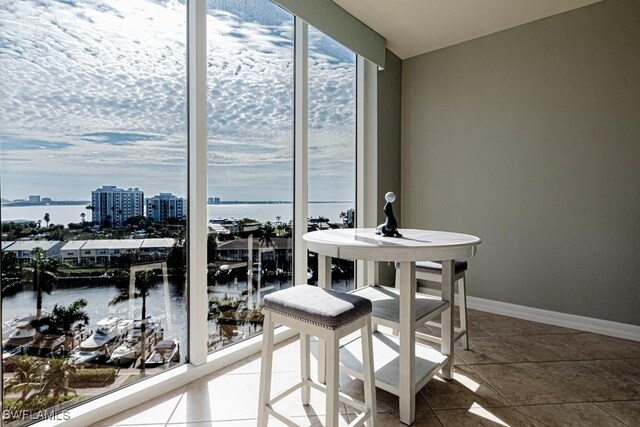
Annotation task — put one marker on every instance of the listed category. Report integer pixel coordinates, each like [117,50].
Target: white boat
[109,333]
[19,331]
[129,350]
[164,351]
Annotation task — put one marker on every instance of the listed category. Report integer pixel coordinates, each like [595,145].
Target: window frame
[199,362]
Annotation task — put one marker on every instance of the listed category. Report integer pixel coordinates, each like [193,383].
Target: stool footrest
[344,398]
[459,333]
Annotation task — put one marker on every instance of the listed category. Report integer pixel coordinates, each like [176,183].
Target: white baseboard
[582,323]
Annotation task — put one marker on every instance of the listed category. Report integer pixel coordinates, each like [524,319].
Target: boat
[108,335]
[164,351]
[19,332]
[129,350]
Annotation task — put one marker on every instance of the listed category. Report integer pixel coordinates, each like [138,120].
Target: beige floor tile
[629,368]
[472,313]
[466,389]
[593,381]
[229,397]
[598,346]
[482,417]
[548,329]
[230,423]
[423,419]
[527,384]
[486,350]
[508,326]
[627,412]
[542,348]
[569,414]
[385,401]
[155,411]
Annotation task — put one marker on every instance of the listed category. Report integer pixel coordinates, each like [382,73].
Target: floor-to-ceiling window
[332,146]
[93,148]
[250,163]
[93,179]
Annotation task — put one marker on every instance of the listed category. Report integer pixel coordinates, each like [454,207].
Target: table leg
[407,330]
[324,281]
[447,320]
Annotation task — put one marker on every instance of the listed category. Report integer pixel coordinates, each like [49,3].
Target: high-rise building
[116,205]
[164,206]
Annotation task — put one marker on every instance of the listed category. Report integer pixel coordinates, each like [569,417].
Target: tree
[26,377]
[92,209]
[267,233]
[10,264]
[212,247]
[63,320]
[47,218]
[145,282]
[344,217]
[83,217]
[44,272]
[55,378]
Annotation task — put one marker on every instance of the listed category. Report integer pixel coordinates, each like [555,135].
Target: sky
[93,93]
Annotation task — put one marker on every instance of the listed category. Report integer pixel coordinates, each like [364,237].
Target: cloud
[101,85]
[118,138]
[23,143]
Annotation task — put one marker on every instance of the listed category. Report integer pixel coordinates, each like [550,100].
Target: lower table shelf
[386,349]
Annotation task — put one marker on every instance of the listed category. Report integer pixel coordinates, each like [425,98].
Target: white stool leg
[305,371]
[265,370]
[369,375]
[463,310]
[332,377]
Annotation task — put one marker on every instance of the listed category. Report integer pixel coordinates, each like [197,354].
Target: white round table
[402,366]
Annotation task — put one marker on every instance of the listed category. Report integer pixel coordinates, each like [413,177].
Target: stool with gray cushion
[432,271]
[328,315]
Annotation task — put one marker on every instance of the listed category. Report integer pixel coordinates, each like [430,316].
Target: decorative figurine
[390,226]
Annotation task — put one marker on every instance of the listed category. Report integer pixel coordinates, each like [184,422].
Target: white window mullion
[301,151]
[366,159]
[197,166]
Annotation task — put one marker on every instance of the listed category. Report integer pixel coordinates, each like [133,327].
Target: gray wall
[530,139]
[389,134]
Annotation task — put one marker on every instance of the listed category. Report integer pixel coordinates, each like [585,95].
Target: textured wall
[530,139]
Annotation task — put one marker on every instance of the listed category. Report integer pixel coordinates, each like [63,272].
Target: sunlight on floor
[481,412]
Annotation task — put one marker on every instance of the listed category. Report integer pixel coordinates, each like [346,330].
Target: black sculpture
[390,226]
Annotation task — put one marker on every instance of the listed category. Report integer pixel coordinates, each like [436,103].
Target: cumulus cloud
[94,93]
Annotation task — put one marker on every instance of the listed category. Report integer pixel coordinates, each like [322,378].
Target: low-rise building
[24,249]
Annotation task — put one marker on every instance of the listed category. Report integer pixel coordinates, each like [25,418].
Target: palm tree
[343,216]
[26,377]
[144,283]
[63,319]
[92,209]
[47,218]
[55,378]
[44,272]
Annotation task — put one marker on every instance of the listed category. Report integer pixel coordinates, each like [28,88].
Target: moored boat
[164,351]
[108,335]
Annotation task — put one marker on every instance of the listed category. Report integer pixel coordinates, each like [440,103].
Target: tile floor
[517,373]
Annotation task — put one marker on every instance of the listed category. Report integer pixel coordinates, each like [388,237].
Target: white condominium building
[116,205]
[164,206]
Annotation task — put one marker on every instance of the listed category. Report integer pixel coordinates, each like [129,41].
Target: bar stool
[432,271]
[328,315]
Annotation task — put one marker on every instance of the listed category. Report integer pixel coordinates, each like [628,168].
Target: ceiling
[413,27]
